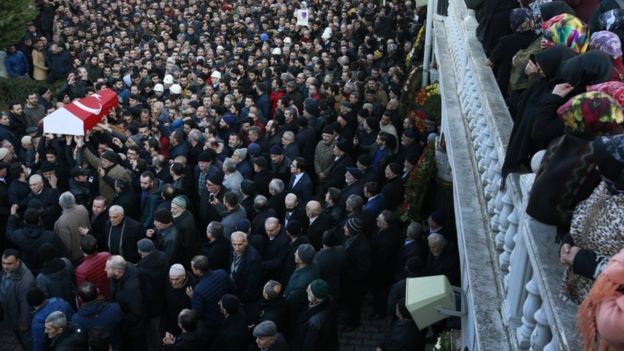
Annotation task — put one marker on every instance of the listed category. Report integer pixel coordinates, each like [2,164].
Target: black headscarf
[554,8]
[593,67]
[520,147]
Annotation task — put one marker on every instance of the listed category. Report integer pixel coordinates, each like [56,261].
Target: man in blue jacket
[205,296]
[43,307]
[97,312]
[16,63]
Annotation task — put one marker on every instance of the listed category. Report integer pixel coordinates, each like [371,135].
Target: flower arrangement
[417,185]
[445,342]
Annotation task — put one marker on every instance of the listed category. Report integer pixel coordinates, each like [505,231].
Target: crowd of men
[244,193]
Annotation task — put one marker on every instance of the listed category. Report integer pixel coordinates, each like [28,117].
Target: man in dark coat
[30,237]
[294,231]
[274,306]
[210,287]
[316,329]
[385,245]
[275,249]
[233,333]
[122,234]
[318,223]
[176,298]
[306,272]
[191,337]
[48,198]
[217,249]
[125,289]
[263,211]
[280,164]
[95,311]
[353,184]
[294,211]
[336,176]
[153,274]
[188,236]
[62,335]
[413,246]
[268,338]
[356,271]
[246,271]
[331,260]
[404,334]
[278,196]
[300,183]
[262,176]
[442,259]
[394,190]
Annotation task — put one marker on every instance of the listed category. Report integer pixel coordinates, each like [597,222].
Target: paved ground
[366,337]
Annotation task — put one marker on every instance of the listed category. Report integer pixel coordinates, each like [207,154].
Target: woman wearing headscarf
[520,148]
[519,79]
[597,231]
[600,318]
[568,172]
[523,26]
[610,44]
[495,22]
[607,17]
[590,68]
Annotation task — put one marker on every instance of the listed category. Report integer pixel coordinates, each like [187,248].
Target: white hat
[287,40]
[168,79]
[216,74]
[175,89]
[220,48]
[159,88]
[26,139]
[276,51]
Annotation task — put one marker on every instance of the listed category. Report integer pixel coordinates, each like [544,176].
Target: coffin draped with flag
[81,115]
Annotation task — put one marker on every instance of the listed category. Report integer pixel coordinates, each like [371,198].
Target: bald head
[313,209]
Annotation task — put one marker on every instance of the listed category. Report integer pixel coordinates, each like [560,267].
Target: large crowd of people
[243,195]
[559,66]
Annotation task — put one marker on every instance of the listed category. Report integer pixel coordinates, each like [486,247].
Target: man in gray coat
[15,282]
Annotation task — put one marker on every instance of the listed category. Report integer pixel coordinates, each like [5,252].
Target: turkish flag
[81,115]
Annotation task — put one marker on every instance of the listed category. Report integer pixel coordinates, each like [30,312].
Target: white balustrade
[528,302]
[541,335]
[530,306]
[509,244]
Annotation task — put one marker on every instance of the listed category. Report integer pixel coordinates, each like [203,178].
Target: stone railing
[510,262]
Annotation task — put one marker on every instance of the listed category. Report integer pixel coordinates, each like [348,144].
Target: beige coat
[115,172]
[66,227]
[40,69]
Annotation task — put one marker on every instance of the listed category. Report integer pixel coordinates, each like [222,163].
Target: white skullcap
[177,270]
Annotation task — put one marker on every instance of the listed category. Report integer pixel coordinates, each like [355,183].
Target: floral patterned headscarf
[614,89]
[607,42]
[521,20]
[591,113]
[566,30]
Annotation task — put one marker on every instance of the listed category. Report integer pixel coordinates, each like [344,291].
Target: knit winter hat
[306,253]
[145,245]
[320,289]
[110,155]
[355,225]
[179,201]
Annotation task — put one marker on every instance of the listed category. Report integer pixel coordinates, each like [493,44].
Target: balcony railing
[510,263]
